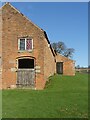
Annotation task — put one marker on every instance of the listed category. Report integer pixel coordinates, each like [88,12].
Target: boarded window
[28,44]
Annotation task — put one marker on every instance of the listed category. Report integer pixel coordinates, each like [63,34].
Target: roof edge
[4,5]
[65,57]
[45,34]
[8,3]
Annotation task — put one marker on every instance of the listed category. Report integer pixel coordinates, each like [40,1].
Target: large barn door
[59,67]
[26,73]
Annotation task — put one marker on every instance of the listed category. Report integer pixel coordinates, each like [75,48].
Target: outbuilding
[27,56]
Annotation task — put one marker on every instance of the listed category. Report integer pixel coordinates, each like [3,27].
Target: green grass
[63,97]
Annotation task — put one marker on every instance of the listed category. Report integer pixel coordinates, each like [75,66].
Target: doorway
[26,73]
[59,67]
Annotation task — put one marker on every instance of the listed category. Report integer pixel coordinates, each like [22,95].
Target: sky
[62,21]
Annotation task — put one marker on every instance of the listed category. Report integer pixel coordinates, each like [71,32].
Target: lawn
[63,97]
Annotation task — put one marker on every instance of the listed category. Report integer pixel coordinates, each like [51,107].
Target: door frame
[26,57]
[59,66]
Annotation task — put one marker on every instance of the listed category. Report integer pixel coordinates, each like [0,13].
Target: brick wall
[15,25]
[0,49]
[49,61]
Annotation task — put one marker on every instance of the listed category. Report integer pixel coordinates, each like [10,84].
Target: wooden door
[26,78]
[59,67]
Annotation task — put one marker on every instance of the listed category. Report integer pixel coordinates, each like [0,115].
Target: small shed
[64,65]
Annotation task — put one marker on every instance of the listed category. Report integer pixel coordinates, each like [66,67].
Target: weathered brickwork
[49,61]
[68,65]
[14,26]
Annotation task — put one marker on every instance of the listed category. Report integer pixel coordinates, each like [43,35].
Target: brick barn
[27,56]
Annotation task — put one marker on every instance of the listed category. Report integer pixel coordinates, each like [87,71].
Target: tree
[78,66]
[69,52]
[54,45]
[61,48]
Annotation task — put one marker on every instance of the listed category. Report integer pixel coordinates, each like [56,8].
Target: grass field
[64,97]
